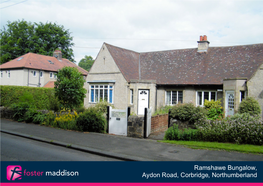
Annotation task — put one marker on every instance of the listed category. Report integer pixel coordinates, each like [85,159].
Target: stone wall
[159,123]
[135,126]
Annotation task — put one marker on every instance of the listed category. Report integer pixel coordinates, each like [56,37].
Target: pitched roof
[41,62]
[126,60]
[187,66]
[50,84]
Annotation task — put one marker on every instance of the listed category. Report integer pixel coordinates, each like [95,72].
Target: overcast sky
[144,25]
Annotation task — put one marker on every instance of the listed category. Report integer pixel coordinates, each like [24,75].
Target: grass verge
[244,148]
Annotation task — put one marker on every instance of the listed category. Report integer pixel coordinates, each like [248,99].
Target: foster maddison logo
[14,172]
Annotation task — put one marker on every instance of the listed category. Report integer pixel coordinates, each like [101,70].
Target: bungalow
[154,79]
[35,70]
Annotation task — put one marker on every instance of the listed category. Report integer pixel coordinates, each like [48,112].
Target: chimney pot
[203,44]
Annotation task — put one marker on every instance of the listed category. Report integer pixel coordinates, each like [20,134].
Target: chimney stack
[203,44]
[57,54]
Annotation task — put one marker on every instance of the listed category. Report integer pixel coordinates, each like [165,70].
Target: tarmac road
[15,148]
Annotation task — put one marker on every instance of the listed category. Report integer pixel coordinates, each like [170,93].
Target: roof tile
[41,62]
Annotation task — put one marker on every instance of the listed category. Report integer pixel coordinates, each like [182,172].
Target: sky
[144,25]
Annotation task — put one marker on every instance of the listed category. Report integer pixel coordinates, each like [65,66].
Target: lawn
[244,148]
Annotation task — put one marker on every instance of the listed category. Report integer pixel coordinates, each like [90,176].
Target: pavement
[120,147]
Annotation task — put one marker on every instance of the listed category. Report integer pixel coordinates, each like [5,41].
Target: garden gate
[147,121]
[117,121]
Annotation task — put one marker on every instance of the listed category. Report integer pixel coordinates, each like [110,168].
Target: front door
[143,101]
[230,102]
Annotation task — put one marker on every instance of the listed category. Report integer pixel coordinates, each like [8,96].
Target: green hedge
[43,98]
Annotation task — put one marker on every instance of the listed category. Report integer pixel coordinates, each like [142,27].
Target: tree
[86,62]
[21,37]
[69,87]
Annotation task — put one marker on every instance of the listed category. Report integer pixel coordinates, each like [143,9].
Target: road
[15,148]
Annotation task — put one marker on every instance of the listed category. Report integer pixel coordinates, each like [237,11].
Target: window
[55,75]
[2,74]
[101,93]
[174,97]
[205,95]
[34,73]
[131,96]
[41,74]
[8,74]
[51,74]
[242,95]
[19,58]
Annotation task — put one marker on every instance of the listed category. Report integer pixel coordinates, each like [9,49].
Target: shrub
[91,120]
[188,112]
[214,109]
[102,106]
[19,110]
[66,121]
[54,104]
[39,98]
[162,110]
[49,119]
[27,97]
[251,106]
[173,133]
[39,118]
[29,115]
[240,128]
[80,109]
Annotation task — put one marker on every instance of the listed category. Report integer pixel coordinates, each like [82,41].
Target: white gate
[118,121]
[148,119]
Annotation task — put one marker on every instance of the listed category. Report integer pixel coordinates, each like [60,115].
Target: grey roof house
[155,79]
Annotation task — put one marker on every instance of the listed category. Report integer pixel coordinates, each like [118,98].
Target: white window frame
[131,96]
[203,95]
[99,88]
[2,74]
[41,74]
[8,74]
[55,75]
[50,74]
[177,96]
[34,73]
[240,95]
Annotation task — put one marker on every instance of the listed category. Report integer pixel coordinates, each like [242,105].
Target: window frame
[8,74]
[203,98]
[41,74]
[2,74]
[34,73]
[50,74]
[240,95]
[131,96]
[95,91]
[171,97]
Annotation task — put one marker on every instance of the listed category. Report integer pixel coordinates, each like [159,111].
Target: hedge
[43,98]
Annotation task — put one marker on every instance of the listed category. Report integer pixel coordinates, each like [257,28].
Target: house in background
[155,79]
[35,70]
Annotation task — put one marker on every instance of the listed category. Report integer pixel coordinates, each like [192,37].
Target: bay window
[101,93]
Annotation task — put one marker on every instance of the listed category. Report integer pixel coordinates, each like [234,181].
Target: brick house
[155,79]
[35,70]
